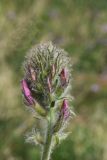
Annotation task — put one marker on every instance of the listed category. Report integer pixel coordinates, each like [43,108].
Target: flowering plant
[45,89]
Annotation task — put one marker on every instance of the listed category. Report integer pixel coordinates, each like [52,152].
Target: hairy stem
[48,141]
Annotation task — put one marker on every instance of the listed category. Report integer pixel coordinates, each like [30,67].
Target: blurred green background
[78,26]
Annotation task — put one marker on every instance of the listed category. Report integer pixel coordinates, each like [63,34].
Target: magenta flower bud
[49,84]
[27,93]
[64,77]
[65,109]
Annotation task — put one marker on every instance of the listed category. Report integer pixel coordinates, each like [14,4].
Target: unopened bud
[64,77]
[27,93]
[65,109]
[49,84]
[53,71]
[63,116]
[32,73]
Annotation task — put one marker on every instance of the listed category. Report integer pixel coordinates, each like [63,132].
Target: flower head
[43,65]
[45,84]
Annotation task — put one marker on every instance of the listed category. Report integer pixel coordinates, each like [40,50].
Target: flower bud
[53,71]
[65,109]
[27,93]
[64,77]
[33,74]
[63,116]
[49,84]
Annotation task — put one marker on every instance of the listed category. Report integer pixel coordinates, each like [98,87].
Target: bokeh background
[78,26]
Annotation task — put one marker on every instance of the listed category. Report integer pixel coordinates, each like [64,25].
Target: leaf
[34,137]
[63,136]
[56,140]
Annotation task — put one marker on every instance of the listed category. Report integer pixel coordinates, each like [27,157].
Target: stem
[47,147]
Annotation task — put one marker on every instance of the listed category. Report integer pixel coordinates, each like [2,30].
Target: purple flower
[65,109]
[64,77]
[27,93]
